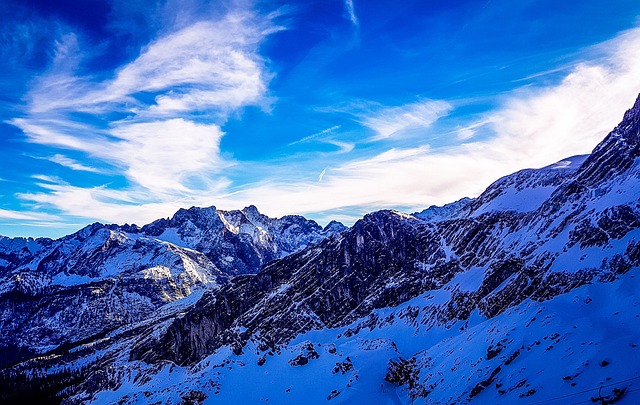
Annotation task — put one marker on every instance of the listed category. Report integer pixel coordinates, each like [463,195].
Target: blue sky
[124,111]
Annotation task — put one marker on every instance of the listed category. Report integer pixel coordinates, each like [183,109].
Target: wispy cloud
[164,146]
[326,136]
[532,127]
[467,132]
[392,121]
[26,215]
[343,147]
[351,11]
[208,65]
[71,164]
[316,135]
[322,173]
[164,156]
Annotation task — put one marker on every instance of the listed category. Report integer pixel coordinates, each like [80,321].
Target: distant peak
[252,208]
[334,226]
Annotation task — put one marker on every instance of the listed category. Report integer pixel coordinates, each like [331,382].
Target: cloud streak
[72,164]
[393,121]
[26,215]
[351,12]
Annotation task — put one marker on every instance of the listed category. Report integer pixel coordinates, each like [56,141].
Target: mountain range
[526,294]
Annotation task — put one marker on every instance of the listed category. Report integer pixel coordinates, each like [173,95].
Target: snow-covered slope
[527,294]
[526,190]
[52,292]
[574,347]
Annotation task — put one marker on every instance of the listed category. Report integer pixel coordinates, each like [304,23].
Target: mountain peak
[251,210]
[634,112]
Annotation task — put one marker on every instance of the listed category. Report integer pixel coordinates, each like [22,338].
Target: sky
[124,111]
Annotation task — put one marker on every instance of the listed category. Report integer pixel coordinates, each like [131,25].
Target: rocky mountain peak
[634,112]
[197,215]
[334,227]
[251,211]
[616,153]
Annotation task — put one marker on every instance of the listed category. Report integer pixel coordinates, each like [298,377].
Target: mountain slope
[584,231]
[559,351]
[55,292]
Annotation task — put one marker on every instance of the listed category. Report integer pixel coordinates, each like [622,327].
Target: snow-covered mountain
[527,294]
[54,292]
[240,241]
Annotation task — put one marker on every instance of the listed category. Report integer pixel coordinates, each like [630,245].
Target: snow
[512,199]
[571,163]
[583,332]
[583,328]
[68,280]
[171,235]
[469,280]
[282,288]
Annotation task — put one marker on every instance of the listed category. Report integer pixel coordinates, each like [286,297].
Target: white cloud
[134,205]
[169,159]
[26,215]
[322,173]
[343,147]
[467,132]
[71,164]
[163,156]
[351,11]
[55,132]
[533,127]
[215,64]
[392,121]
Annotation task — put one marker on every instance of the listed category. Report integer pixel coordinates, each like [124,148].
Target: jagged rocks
[402,372]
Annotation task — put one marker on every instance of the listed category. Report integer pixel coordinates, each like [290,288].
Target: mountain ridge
[380,312]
